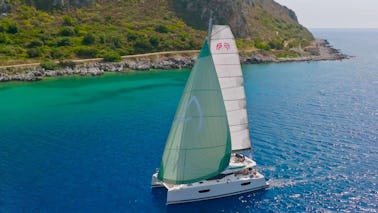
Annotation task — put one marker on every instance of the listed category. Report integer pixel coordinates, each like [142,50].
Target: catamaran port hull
[228,185]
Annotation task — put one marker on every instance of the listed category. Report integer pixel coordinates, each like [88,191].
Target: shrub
[116,42]
[12,29]
[276,44]
[64,42]
[286,54]
[262,45]
[35,43]
[102,39]
[85,52]
[49,65]
[8,50]
[4,39]
[161,29]
[88,39]
[67,21]
[112,57]
[34,53]
[56,53]
[154,41]
[142,45]
[131,36]
[67,31]
[8,26]
[69,64]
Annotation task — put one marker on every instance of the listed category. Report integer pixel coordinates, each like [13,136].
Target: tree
[88,39]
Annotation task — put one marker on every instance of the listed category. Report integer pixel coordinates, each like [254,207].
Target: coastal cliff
[253,20]
[32,31]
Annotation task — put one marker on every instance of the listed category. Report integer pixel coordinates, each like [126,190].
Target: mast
[209,30]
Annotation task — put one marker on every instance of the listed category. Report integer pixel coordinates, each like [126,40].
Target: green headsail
[199,145]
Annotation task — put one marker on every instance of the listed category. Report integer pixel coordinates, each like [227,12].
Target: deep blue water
[91,144]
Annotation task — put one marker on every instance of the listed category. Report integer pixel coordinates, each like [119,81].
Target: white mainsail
[227,65]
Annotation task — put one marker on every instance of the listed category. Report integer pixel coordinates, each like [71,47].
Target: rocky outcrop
[321,50]
[55,4]
[4,7]
[95,69]
[252,19]
[143,63]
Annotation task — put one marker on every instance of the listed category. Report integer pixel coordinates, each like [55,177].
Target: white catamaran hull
[228,185]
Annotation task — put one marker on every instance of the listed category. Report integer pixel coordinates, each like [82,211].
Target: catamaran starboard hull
[212,189]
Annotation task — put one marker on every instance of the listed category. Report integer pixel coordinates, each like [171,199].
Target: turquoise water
[91,144]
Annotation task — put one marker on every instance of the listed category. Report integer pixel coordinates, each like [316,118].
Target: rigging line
[216,32]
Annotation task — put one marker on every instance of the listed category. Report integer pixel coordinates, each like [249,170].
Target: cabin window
[204,191]
[246,183]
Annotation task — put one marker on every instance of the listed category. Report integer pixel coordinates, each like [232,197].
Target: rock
[258,59]
[326,52]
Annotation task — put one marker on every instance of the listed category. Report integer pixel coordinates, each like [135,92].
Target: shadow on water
[113,93]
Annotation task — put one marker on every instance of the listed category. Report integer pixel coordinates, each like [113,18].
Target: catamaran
[203,156]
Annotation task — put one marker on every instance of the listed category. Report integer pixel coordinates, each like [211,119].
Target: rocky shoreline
[321,50]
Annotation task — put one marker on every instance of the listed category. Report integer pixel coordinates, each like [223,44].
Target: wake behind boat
[202,158]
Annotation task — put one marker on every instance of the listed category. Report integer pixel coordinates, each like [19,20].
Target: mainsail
[227,65]
[199,143]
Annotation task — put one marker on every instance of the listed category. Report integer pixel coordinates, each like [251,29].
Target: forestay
[199,144]
[227,65]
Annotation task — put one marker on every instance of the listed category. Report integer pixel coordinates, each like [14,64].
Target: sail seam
[234,110]
[205,147]
[230,76]
[207,116]
[238,124]
[232,87]
[200,90]
[222,38]
[235,99]
[226,64]
[223,53]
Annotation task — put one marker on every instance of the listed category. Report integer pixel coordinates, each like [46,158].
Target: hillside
[36,30]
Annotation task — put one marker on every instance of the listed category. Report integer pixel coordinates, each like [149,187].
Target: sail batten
[228,68]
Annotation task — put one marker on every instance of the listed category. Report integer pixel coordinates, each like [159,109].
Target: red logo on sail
[221,45]
[226,45]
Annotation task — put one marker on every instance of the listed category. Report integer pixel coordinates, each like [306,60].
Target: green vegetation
[112,57]
[101,30]
[286,54]
[68,30]
[49,65]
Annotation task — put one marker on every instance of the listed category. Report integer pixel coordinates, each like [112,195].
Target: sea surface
[90,144]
